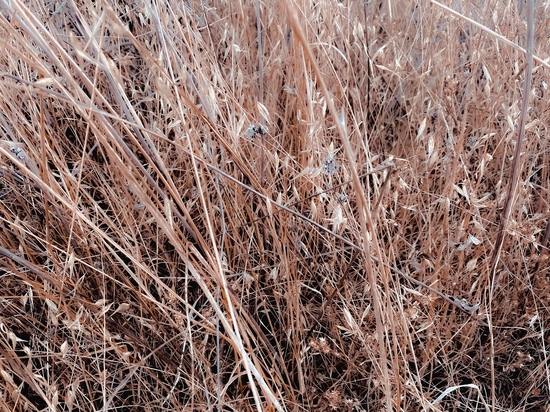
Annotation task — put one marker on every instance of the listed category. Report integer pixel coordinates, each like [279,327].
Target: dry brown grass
[161,249]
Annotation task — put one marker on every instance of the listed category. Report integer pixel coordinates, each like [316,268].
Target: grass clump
[272,206]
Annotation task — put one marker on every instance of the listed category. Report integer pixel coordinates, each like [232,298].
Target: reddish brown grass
[230,205]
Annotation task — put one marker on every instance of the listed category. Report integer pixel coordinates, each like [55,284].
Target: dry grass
[191,219]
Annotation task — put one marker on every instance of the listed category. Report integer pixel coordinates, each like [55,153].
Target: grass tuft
[293,205]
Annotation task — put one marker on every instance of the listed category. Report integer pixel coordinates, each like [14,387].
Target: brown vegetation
[280,205]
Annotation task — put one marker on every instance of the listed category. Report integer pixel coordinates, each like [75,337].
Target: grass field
[288,205]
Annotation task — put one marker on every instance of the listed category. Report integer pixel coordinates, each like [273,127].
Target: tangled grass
[295,205]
